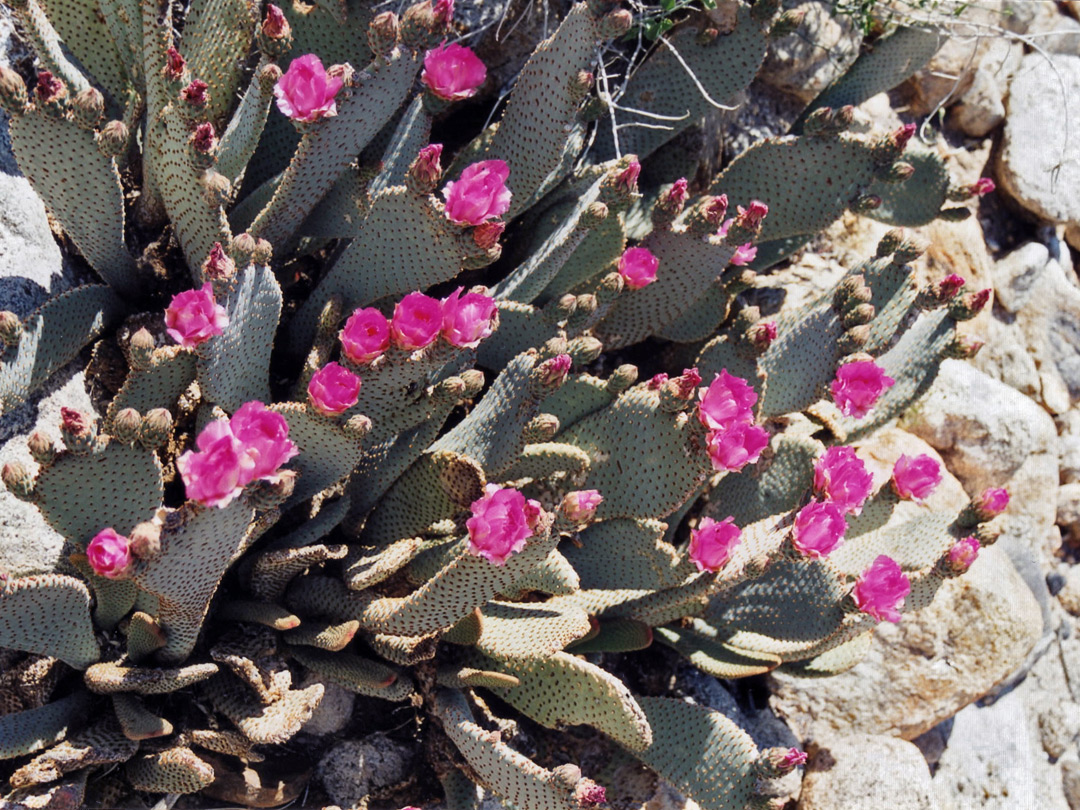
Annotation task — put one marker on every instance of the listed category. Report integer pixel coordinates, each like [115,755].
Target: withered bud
[141,349]
[274,24]
[343,71]
[678,393]
[49,89]
[264,494]
[112,139]
[426,171]
[144,541]
[156,428]
[74,422]
[421,27]
[383,33]
[174,65]
[42,449]
[474,382]
[196,94]
[203,139]
[898,172]
[486,234]
[450,391]
[11,328]
[263,252]
[88,108]
[126,424]
[242,248]
[13,97]
[218,265]
[18,480]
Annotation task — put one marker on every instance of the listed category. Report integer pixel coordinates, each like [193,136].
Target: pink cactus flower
[75,422]
[216,474]
[712,543]
[427,168]
[628,177]
[453,72]
[265,436]
[366,335]
[857,387]
[109,554]
[794,758]
[193,317]
[580,506]
[841,478]
[915,479]
[305,92]
[416,321]
[333,389]
[678,194]
[744,254]
[902,135]
[734,448]
[499,525]
[467,319]
[637,266]
[480,194]
[991,503]
[443,11]
[963,553]
[727,401]
[818,529]
[881,588]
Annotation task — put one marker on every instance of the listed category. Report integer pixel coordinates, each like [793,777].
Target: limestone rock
[1034,164]
[804,62]
[354,768]
[922,670]
[864,770]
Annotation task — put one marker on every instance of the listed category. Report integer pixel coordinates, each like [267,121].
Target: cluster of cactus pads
[377,424]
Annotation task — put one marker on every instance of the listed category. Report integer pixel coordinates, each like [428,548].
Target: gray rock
[1018,274]
[922,670]
[1064,38]
[981,109]
[334,710]
[1035,164]
[354,768]
[864,771]
[803,63]
[1004,357]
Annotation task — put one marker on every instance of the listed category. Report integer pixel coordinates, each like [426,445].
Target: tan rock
[863,770]
[1069,595]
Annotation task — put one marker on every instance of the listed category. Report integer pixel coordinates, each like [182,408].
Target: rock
[864,770]
[334,710]
[803,63]
[1069,457]
[1068,507]
[922,670]
[1064,38]
[981,109]
[1034,165]
[1005,358]
[1017,275]
[1069,595]
[931,744]
[1070,783]
[354,768]
[1059,723]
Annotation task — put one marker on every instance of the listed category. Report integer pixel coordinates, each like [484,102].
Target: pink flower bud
[174,65]
[983,186]
[712,543]
[366,335]
[728,401]
[841,478]
[991,503]
[195,93]
[902,135]
[218,264]
[949,286]
[657,381]
[963,553]
[75,422]
[687,383]
[734,447]
[265,437]
[819,527]
[426,170]
[333,389]
[305,92]
[216,474]
[49,88]
[416,322]
[881,588]
[480,194]
[553,372]
[915,479]
[453,72]
[109,554]
[628,177]
[193,317]
[637,266]
[715,209]
[443,11]
[581,506]
[467,319]
[589,794]
[486,235]
[274,25]
[762,334]
[677,194]
[857,387]
[203,138]
[794,758]
[499,525]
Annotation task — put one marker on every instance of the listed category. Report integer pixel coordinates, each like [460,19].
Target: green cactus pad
[49,614]
[136,721]
[273,570]
[615,636]
[113,598]
[217,36]
[917,200]
[521,326]
[366,566]
[799,365]
[333,637]
[111,678]
[240,139]
[534,630]
[554,576]
[328,454]
[832,662]
[624,553]
[405,650]
[174,770]
[597,252]
[360,675]
[83,31]
[31,730]
[171,371]
[702,319]
[711,654]
[545,459]
[101,744]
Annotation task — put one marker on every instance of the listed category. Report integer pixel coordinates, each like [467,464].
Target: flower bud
[145,541]
[706,216]
[50,92]
[865,203]
[196,94]
[552,373]
[126,424]
[217,190]
[263,252]
[426,170]
[18,480]
[263,494]
[88,108]
[41,447]
[854,339]
[963,553]
[542,428]
[560,310]
[747,223]
[964,347]
[990,503]
[242,248]
[141,349]
[581,84]
[275,33]
[78,430]
[850,293]
[13,96]
[584,350]
[776,762]
[616,23]
[218,265]
[112,139]
[593,215]
[203,139]
[423,25]
[966,307]
[619,187]
[858,315]
[621,379]
[474,382]
[11,328]
[670,204]
[269,76]
[174,66]
[357,427]
[580,507]
[156,428]
[761,335]
[383,33]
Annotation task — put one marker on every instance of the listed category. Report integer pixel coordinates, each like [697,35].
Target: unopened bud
[619,187]
[11,328]
[616,23]
[263,252]
[580,84]
[990,503]
[450,391]
[264,494]
[426,170]
[195,94]
[78,430]
[854,339]
[112,139]
[776,762]
[851,292]
[670,204]
[886,150]
[593,215]
[218,265]
[144,542]
[857,315]
[383,33]
[964,347]
[217,190]
[88,108]
[898,172]
[156,428]
[13,97]
[560,310]
[269,75]
[707,36]
[242,249]
[580,506]
[584,350]
[988,533]
[474,382]
[608,289]
[551,374]
[706,216]
[126,425]
[584,309]
[423,26]
[141,349]
[787,23]
[42,449]
[486,234]
[622,378]
[542,428]
[865,203]
[966,307]
[357,427]
[761,335]
[959,558]
[18,480]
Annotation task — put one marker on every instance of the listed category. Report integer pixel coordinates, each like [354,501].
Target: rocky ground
[974,702]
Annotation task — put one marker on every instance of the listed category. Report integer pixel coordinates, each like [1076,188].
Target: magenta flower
[963,553]
[580,506]
[857,387]
[628,177]
[453,72]
[109,554]
[216,474]
[637,266]
[333,389]
[193,317]
[915,479]
[467,319]
[479,194]
[734,448]
[728,400]
[991,503]
[553,371]
[265,437]
[841,478]
[499,525]
[427,168]
[794,758]
[982,186]
[712,543]
[305,92]
[881,588]
[366,335]
[819,527]
[416,322]
[745,253]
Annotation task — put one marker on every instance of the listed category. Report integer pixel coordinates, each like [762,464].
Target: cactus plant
[371,429]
